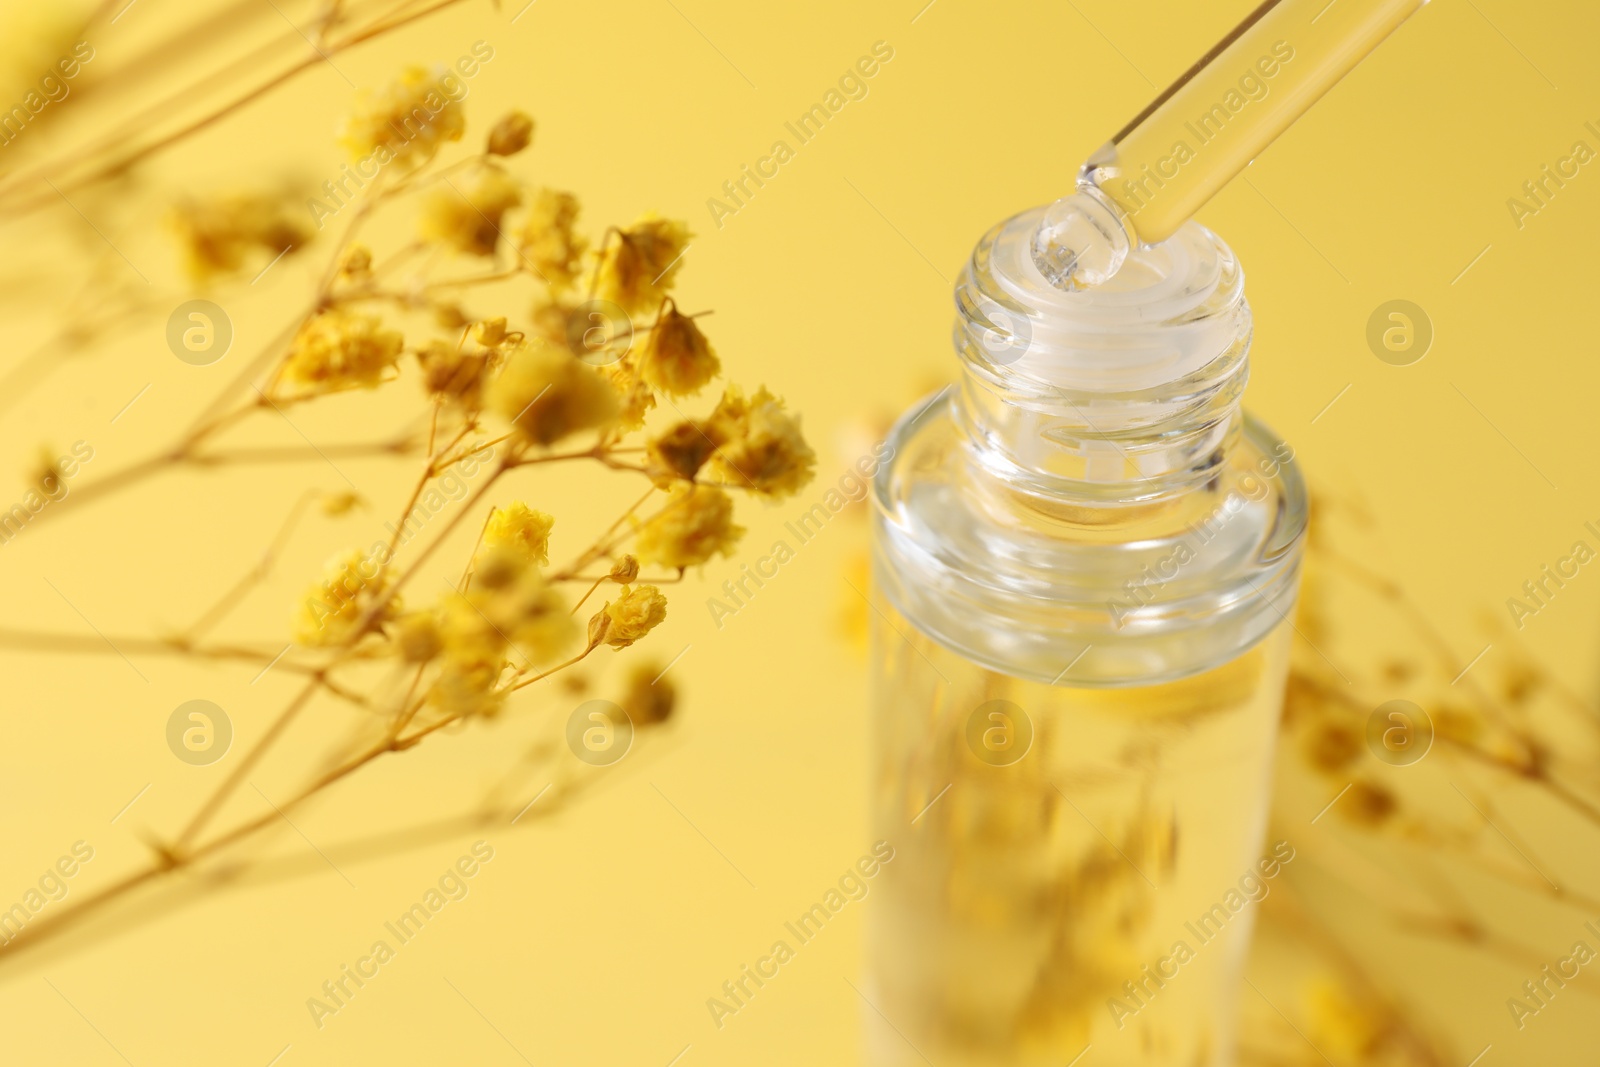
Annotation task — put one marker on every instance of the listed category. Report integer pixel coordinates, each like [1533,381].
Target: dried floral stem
[169,861]
[247,764]
[14,188]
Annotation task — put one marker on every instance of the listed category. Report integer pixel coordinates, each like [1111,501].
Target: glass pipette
[1194,138]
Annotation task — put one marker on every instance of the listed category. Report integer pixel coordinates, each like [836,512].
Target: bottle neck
[1091,509]
[1124,395]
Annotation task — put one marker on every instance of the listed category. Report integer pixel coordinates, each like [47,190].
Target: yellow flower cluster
[338,348]
[509,619]
[760,446]
[520,530]
[452,374]
[751,443]
[676,358]
[640,264]
[510,614]
[408,121]
[648,697]
[511,134]
[549,241]
[680,451]
[696,524]
[218,235]
[331,610]
[548,394]
[469,222]
[633,614]
[634,397]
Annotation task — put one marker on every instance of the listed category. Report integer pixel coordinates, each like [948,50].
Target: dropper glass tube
[1160,169]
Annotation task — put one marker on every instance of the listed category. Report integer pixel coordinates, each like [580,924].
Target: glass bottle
[1085,560]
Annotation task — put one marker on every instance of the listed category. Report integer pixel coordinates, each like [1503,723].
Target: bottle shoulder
[1153,590]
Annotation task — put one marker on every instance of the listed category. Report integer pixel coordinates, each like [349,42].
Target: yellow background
[596,936]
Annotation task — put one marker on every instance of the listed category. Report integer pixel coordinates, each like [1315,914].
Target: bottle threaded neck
[1121,394]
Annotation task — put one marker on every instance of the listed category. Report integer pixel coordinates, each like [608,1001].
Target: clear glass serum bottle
[1085,557]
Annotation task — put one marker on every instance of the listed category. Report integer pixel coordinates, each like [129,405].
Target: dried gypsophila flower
[418,636]
[217,235]
[331,610]
[641,263]
[490,333]
[356,263]
[549,241]
[675,357]
[469,222]
[511,134]
[695,525]
[451,374]
[635,399]
[524,614]
[649,697]
[548,394]
[409,120]
[759,444]
[680,451]
[336,504]
[634,614]
[522,530]
[338,349]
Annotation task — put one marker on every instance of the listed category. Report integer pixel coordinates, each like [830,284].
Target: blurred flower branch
[500,401]
[339,27]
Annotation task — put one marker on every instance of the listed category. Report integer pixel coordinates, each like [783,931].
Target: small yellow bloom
[340,348]
[676,358]
[469,222]
[548,394]
[336,504]
[356,261]
[449,316]
[466,632]
[536,617]
[633,395]
[522,530]
[469,684]
[696,524]
[511,134]
[549,241]
[490,332]
[451,374]
[418,637]
[523,614]
[649,697]
[759,445]
[633,614]
[680,452]
[408,120]
[330,610]
[218,235]
[550,319]
[638,265]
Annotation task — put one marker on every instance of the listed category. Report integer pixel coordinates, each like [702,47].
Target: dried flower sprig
[1507,735]
[499,398]
[140,135]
